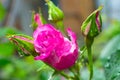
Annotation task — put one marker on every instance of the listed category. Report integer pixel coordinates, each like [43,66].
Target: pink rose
[53,48]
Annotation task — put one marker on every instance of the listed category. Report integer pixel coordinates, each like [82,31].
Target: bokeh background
[15,17]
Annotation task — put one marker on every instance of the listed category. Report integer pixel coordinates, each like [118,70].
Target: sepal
[24,44]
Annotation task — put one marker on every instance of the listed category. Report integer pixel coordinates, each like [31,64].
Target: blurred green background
[15,17]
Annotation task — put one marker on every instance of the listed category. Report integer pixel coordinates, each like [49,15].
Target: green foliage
[113,30]
[13,67]
[2,12]
[8,30]
[112,67]
[98,74]
[106,36]
[6,49]
[16,68]
[110,55]
[113,45]
[110,32]
[4,62]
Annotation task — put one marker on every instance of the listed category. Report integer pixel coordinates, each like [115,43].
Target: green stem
[76,73]
[65,75]
[90,62]
[60,25]
[89,42]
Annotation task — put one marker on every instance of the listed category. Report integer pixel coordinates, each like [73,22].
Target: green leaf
[112,67]
[2,11]
[113,45]
[7,30]
[83,50]
[6,49]
[113,30]
[43,67]
[110,32]
[98,74]
[4,61]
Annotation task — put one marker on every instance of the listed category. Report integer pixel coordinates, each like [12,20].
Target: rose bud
[23,43]
[91,27]
[55,14]
[36,18]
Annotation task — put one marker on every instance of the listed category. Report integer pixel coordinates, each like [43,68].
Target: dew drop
[118,74]
[107,65]
[109,58]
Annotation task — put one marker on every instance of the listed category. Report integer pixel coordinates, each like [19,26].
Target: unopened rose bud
[91,27]
[34,25]
[37,19]
[55,14]
[24,44]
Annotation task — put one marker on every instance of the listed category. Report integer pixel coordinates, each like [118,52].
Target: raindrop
[107,65]
[115,76]
[118,74]
[109,58]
